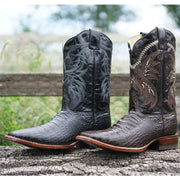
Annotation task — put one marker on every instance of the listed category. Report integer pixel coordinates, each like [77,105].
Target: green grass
[23,112]
[23,56]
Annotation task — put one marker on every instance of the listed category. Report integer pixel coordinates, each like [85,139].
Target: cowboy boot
[152,114]
[85,104]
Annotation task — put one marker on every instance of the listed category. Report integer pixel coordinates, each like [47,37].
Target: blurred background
[32,38]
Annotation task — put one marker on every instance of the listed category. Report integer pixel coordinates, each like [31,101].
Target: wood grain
[45,84]
[81,162]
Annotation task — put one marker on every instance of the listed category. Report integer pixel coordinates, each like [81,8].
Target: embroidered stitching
[142,84]
[171,46]
[172,79]
[105,85]
[73,77]
[142,54]
[146,49]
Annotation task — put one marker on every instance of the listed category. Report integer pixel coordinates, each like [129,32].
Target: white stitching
[142,54]
[144,51]
[171,46]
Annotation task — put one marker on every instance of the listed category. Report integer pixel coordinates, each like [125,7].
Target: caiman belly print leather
[152,108]
[85,104]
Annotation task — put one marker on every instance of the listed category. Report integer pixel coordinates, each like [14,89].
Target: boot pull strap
[94,40]
[161,34]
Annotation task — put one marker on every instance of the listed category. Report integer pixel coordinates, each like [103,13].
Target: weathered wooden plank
[26,161]
[30,84]
[45,84]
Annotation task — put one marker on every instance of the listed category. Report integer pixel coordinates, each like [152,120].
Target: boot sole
[38,145]
[162,143]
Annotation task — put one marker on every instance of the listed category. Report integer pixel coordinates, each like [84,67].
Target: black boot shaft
[86,83]
[87,60]
[152,71]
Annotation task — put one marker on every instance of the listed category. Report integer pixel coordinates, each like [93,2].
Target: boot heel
[168,143]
